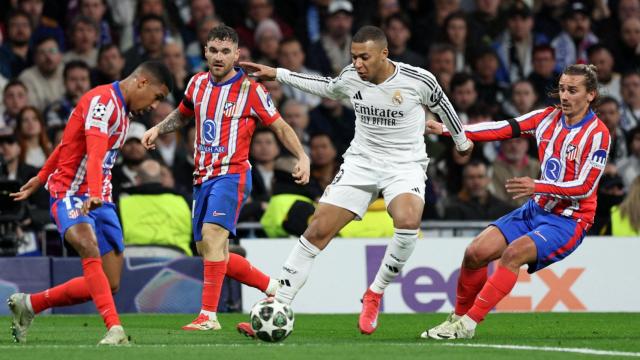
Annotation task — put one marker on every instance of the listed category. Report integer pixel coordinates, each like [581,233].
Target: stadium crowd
[496,59]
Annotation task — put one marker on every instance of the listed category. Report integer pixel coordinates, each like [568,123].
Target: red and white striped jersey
[96,129]
[572,158]
[225,116]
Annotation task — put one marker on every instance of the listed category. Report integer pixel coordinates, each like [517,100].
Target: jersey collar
[590,114]
[238,75]
[116,87]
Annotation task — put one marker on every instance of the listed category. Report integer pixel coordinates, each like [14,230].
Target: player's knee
[474,257]
[409,223]
[115,286]
[512,258]
[87,248]
[318,232]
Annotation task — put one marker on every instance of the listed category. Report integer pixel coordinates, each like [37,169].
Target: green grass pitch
[543,336]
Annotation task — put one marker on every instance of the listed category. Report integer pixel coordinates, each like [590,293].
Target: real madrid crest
[396,99]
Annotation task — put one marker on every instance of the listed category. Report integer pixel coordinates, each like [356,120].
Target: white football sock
[397,254]
[295,270]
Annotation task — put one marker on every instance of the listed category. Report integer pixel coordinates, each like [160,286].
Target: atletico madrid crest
[229,108]
[572,152]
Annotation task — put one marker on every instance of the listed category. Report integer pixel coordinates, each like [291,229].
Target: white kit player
[387,154]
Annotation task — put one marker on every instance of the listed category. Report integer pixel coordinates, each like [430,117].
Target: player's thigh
[403,191]
[81,236]
[327,221]
[406,211]
[112,266]
[485,247]
[519,252]
[76,229]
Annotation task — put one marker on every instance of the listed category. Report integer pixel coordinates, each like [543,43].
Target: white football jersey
[390,116]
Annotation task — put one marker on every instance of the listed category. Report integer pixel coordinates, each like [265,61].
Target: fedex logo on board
[424,279]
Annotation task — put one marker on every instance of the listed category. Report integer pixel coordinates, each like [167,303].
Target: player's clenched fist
[149,138]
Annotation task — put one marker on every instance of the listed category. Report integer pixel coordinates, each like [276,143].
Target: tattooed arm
[174,121]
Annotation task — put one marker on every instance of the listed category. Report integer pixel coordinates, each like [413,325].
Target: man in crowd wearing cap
[332,52]
[572,43]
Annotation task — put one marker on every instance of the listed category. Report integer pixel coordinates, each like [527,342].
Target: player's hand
[467,151]
[434,127]
[27,189]
[149,138]
[302,171]
[91,203]
[260,71]
[520,187]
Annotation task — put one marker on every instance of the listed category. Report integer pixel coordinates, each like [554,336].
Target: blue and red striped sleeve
[186,106]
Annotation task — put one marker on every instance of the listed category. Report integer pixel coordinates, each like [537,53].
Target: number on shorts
[77,203]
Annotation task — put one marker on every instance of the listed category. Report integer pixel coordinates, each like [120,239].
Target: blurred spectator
[548,17]
[291,56]
[630,91]
[173,56]
[629,167]
[199,12]
[296,114]
[332,52]
[14,99]
[96,10]
[154,216]
[572,43]
[385,10]
[264,151]
[610,194]
[491,92]
[515,45]
[244,54]
[608,111]
[44,27]
[474,201]
[15,49]
[544,76]
[267,39]
[84,37]
[151,31]
[513,161]
[77,81]
[275,90]
[334,118]
[133,154]
[44,79]
[324,159]
[258,11]
[486,22]
[463,94]
[170,151]
[195,49]
[35,146]
[456,34]
[110,65]
[398,30]
[608,29]
[167,11]
[523,99]
[442,63]
[625,219]
[628,55]
[608,80]
[56,135]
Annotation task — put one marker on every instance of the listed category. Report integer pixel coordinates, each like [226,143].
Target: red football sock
[470,283]
[98,286]
[213,277]
[72,292]
[239,268]
[497,287]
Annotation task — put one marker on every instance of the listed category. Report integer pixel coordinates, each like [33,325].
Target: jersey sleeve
[262,105]
[524,125]
[592,166]
[49,166]
[186,105]
[332,88]
[97,114]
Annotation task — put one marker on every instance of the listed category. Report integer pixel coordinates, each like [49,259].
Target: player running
[78,177]
[227,105]
[387,154]
[572,145]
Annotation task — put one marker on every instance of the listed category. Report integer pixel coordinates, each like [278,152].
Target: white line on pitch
[587,351]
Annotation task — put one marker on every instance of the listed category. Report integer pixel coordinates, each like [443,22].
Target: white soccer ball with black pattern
[271,320]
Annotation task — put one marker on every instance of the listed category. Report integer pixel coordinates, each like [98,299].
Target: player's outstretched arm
[290,140]
[27,189]
[174,121]
[317,85]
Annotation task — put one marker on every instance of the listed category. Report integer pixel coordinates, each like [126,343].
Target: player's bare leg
[214,249]
[521,251]
[485,247]
[406,211]
[325,224]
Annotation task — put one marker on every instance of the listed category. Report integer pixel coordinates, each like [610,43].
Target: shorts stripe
[241,187]
[577,235]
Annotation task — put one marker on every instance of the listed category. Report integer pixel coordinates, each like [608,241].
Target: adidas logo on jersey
[357,96]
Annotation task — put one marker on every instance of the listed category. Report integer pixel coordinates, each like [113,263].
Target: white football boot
[23,315]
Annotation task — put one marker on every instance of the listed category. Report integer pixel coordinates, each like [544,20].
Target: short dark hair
[151,17]
[597,47]
[18,13]
[441,48]
[400,17]
[104,48]
[291,40]
[224,33]
[81,19]
[75,64]
[12,83]
[370,33]
[608,100]
[159,71]
[44,39]
[542,48]
[459,79]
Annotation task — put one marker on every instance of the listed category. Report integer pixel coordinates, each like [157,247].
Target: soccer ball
[271,320]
